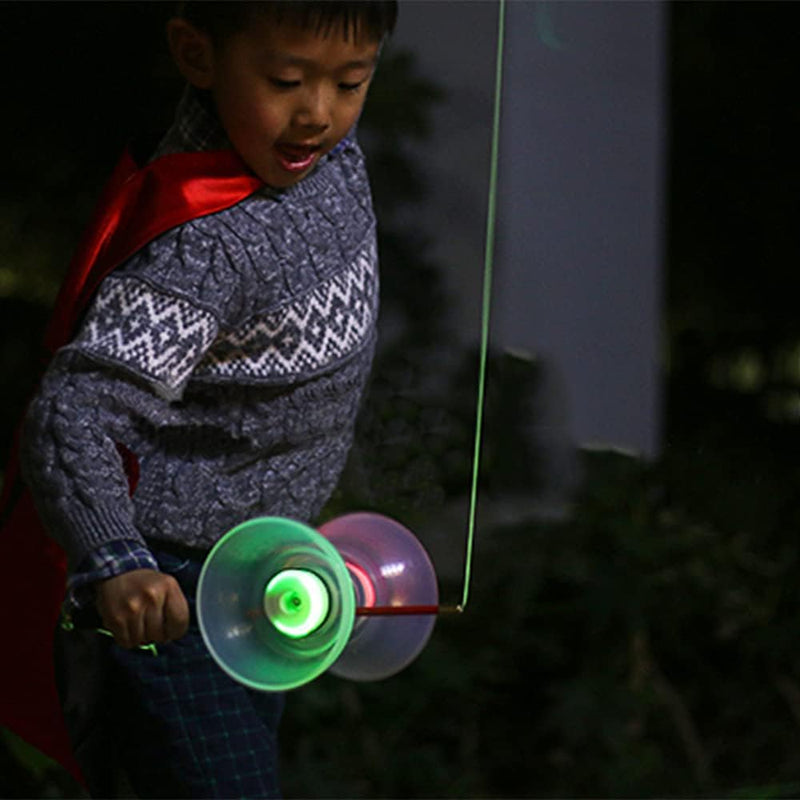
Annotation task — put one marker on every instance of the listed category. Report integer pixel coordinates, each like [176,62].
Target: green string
[486,301]
[149,647]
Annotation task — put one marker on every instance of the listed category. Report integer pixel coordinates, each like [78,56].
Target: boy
[222,364]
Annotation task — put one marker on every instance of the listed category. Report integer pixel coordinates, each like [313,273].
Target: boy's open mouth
[296,157]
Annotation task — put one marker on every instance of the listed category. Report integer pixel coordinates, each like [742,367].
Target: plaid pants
[175,723]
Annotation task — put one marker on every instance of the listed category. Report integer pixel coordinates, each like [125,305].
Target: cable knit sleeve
[132,357]
[70,455]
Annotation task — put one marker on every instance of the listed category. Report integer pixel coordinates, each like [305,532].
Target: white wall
[580,216]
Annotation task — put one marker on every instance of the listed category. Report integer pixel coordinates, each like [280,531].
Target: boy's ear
[192,52]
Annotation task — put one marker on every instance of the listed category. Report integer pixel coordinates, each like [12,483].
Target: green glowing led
[296,602]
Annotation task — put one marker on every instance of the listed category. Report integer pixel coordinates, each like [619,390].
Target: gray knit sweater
[229,355]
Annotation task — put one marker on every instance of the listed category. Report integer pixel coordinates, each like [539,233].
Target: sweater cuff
[97,526]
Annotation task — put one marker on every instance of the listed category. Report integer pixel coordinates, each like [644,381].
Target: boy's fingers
[153,625]
[116,623]
[176,614]
[123,631]
[128,629]
[164,616]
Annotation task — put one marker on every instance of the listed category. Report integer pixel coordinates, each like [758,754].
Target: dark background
[643,641]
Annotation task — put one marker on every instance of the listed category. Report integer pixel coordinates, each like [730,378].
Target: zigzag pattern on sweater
[168,339]
[154,333]
[304,336]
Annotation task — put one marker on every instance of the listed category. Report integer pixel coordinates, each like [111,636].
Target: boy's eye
[279,83]
[351,87]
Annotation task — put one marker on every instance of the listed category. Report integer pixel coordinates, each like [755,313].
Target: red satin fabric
[137,205]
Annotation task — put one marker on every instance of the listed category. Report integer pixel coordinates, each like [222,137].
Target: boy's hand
[143,607]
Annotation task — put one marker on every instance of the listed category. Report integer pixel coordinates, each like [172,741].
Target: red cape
[137,205]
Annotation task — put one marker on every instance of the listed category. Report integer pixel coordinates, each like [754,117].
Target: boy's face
[287,96]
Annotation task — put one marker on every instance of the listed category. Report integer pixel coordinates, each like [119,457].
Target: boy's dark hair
[220,19]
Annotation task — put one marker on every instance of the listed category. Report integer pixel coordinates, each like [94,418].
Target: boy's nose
[314,110]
